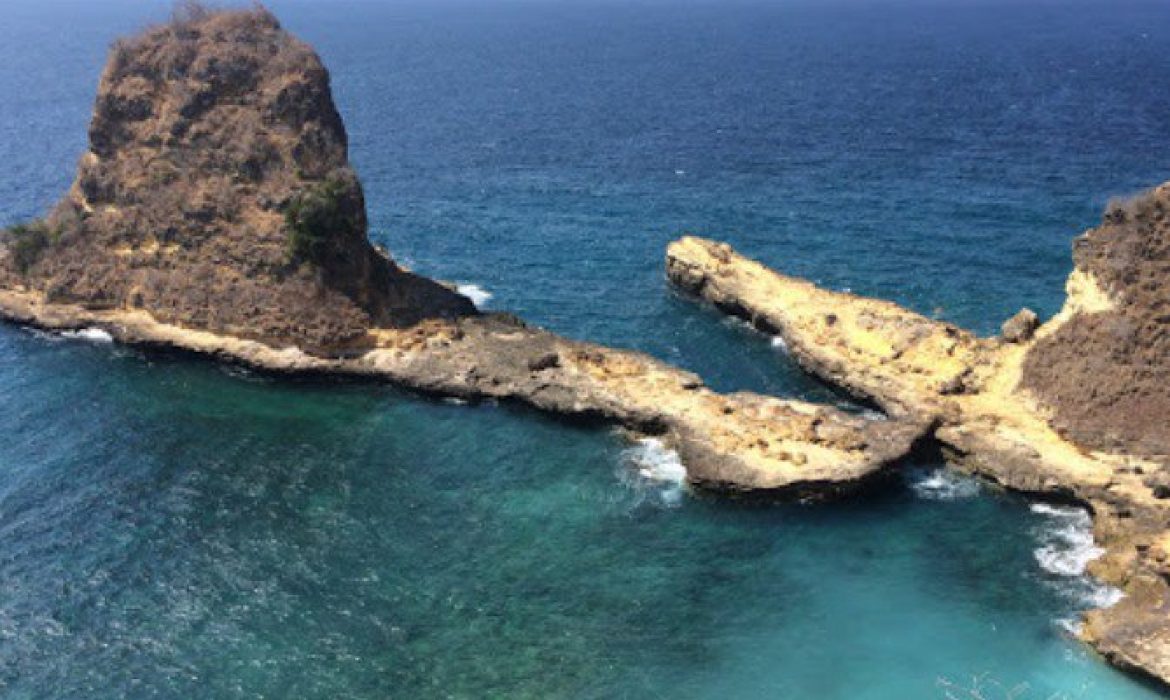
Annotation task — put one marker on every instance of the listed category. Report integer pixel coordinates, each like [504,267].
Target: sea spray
[1066,549]
[1067,545]
[477,294]
[652,469]
[42,335]
[943,485]
[93,335]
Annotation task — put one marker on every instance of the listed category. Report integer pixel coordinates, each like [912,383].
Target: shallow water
[174,528]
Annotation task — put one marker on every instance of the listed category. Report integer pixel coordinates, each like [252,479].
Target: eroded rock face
[216,212]
[1021,327]
[733,442]
[1105,373]
[969,393]
[206,132]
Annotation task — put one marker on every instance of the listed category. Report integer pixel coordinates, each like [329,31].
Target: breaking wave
[944,485]
[1066,549]
[477,294]
[93,335]
[652,469]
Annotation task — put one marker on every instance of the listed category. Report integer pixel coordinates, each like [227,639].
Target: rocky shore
[741,442]
[216,211]
[978,397]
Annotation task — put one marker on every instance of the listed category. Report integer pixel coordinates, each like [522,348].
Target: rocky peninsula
[216,211]
[1072,409]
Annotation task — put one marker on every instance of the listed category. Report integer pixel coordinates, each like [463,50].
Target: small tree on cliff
[317,217]
[26,242]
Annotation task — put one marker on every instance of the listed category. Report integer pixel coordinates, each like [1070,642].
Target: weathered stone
[205,131]
[969,389]
[1111,346]
[230,223]
[1021,327]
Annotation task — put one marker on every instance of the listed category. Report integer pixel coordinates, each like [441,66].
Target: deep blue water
[172,528]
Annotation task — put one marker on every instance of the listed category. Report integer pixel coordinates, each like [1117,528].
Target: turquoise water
[174,528]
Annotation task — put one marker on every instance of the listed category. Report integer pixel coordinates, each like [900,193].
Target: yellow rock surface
[967,388]
[738,441]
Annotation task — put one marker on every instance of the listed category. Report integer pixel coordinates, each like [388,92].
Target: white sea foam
[1066,546]
[1070,512]
[649,466]
[1072,625]
[93,335]
[779,344]
[1102,596]
[477,294]
[1066,549]
[43,335]
[944,485]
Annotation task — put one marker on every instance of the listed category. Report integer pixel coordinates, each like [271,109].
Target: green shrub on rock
[316,217]
[26,242]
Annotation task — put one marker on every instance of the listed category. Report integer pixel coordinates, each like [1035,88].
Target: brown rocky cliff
[1105,372]
[217,194]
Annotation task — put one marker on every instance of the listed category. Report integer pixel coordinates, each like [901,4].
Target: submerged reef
[216,211]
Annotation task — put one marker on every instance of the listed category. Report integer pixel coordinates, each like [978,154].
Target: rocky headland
[1072,409]
[216,211]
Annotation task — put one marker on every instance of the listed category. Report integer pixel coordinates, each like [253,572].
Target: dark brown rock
[205,132]
[1021,327]
[1106,375]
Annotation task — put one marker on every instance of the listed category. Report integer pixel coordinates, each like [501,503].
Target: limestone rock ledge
[969,390]
[739,442]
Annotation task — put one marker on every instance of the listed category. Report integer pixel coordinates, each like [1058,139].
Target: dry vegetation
[1106,376]
[215,138]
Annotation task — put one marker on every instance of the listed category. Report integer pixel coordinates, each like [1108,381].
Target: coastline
[967,389]
[739,442]
[756,445]
[216,213]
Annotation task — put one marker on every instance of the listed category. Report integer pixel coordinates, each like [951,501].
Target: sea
[174,527]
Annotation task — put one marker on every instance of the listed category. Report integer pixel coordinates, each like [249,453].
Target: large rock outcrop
[1073,409]
[215,211]
[1105,372]
[217,194]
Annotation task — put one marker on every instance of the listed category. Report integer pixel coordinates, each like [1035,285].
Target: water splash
[944,485]
[652,469]
[1066,549]
[477,294]
[93,335]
